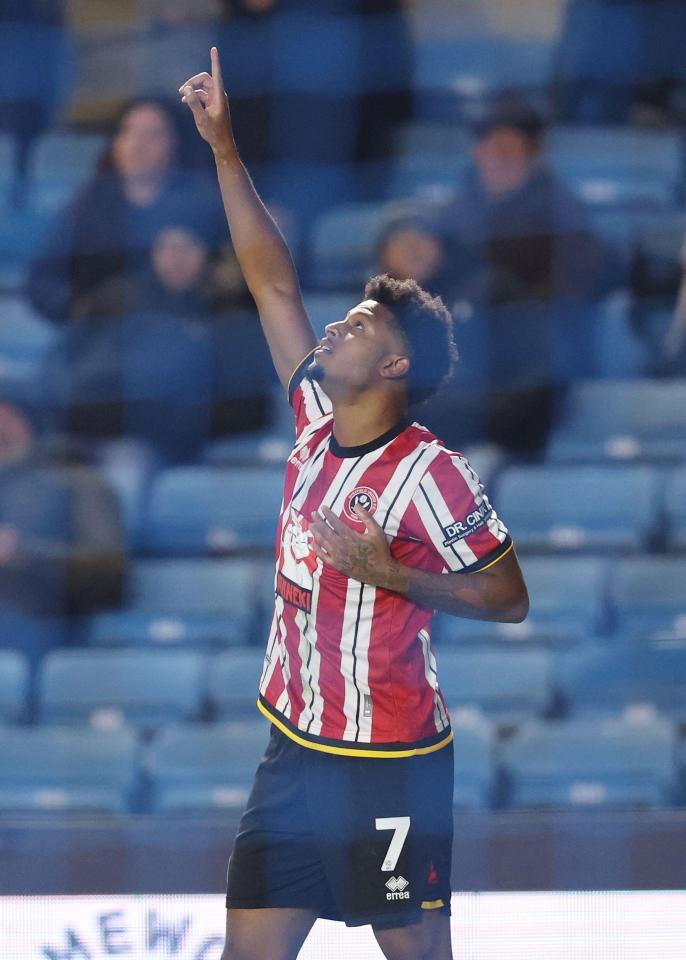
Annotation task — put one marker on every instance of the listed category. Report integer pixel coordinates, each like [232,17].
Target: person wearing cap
[525,260]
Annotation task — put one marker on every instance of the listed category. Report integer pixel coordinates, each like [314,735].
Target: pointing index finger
[216,69]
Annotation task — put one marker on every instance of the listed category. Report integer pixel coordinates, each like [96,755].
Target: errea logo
[397,888]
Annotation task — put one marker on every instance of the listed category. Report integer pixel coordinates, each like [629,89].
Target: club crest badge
[363,497]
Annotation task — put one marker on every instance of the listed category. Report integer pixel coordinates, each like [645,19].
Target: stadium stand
[204,767]
[50,770]
[106,688]
[581,508]
[599,679]
[14,686]
[648,598]
[675,508]
[475,769]
[233,683]
[590,762]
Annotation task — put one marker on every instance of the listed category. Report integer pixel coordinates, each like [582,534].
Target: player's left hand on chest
[361,555]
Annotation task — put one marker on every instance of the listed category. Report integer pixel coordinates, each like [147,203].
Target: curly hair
[426,325]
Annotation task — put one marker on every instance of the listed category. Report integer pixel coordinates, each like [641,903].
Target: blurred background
[524,159]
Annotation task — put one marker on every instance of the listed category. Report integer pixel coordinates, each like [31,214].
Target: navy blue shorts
[358,839]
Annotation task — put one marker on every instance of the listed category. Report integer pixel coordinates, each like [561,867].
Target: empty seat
[234,681]
[200,767]
[644,160]
[622,420]
[474,760]
[611,507]
[508,686]
[591,762]
[675,506]
[567,601]
[185,601]
[63,769]
[60,163]
[14,685]
[597,679]
[648,597]
[108,687]
[344,245]
[206,509]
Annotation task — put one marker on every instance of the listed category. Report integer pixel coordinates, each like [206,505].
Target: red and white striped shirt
[349,667]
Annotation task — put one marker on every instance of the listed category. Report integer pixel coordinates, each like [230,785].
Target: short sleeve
[451,512]
[310,403]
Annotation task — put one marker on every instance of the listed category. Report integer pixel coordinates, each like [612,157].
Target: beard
[314,372]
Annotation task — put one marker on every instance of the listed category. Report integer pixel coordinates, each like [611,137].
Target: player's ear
[395,366]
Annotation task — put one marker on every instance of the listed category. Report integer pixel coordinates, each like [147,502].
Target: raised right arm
[262,253]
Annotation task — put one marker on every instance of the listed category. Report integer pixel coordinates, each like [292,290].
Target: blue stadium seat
[567,601]
[648,597]
[472,66]
[580,508]
[171,602]
[675,507]
[108,687]
[619,166]
[343,246]
[60,163]
[508,686]
[14,685]
[622,420]
[233,682]
[591,762]
[8,152]
[599,679]
[24,340]
[48,769]
[203,767]
[206,509]
[474,760]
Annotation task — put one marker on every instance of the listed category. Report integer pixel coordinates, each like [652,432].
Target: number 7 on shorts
[401,828]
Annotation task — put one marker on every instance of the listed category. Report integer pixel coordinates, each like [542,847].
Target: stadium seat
[14,686]
[8,151]
[60,163]
[24,340]
[203,767]
[580,508]
[567,601]
[622,420]
[203,590]
[474,760]
[205,509]
[108,687]
[591,762]
[618,166]
[343,245]
[48,769]
[675,507]
[233,682]
[599,679]
[648,597]
[133,628]
[507,686]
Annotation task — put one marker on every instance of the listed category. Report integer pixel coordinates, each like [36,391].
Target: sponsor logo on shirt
[363,497]
[299,458]
[459,529]
[294,594]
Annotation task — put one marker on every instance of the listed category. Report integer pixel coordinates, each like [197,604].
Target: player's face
[360,351]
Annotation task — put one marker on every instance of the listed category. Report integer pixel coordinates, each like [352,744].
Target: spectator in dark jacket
[107,230]
[62,542]
[524,260]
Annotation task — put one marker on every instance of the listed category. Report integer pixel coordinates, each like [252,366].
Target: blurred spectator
[412,246]
[524,259]
[108,229]
[62,545]
[622,60]
[169,354]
